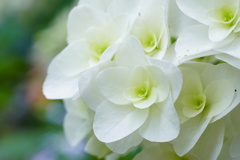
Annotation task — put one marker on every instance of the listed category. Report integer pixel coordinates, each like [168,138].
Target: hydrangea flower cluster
[162,75]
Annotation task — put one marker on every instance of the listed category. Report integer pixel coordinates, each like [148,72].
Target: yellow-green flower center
[149,42]
[227,14]
[141,87]
[193,105]
[195,102]
[148,38]
[99,48]
[143,91]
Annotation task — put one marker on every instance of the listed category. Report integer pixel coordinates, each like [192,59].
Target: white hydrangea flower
[77,126]
[139,95]
[125,145]
[78,121]
[177,20]
[151,27]
[219,30]
[229,59]
[96,148]
[209,92]
[119,90]
[207,148]
[230,149]
[87,15]
[93,37]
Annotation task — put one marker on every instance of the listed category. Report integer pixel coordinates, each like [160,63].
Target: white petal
[224,154]
[196,9]
[194,40]
[145,103]
[150,5]
[75,128]
[232,48]
[189,108]
[234,103]
[114,122]
[234,149]
[96,148]
[218,32]
[192,84]
[172,74]
[235,62]
[108,37]
[177,20]
[156,153]
[87,86]
[197,67]
[108,54]
[210,143]
[153,13]
[60,87]
[160,81]
[119,7]
[236,118]
[150,28]
[123,145]
[170,55]
[162,124]
[237,29]
[112,83]
[72,60]
[219,3]
[91,95]
[76,107]
[190,132]
[219,96]
[130,54]
[223,71]
[182,60]
[81,18]
[64,71]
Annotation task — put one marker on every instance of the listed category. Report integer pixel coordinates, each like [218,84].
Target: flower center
[193,105]
[98,40]
[195,102]
[143,91]
[149,42]
[227,14]
[98,49]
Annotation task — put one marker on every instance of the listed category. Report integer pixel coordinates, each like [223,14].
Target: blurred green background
[32,32]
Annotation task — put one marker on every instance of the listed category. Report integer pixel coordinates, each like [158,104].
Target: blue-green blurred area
[32,32]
